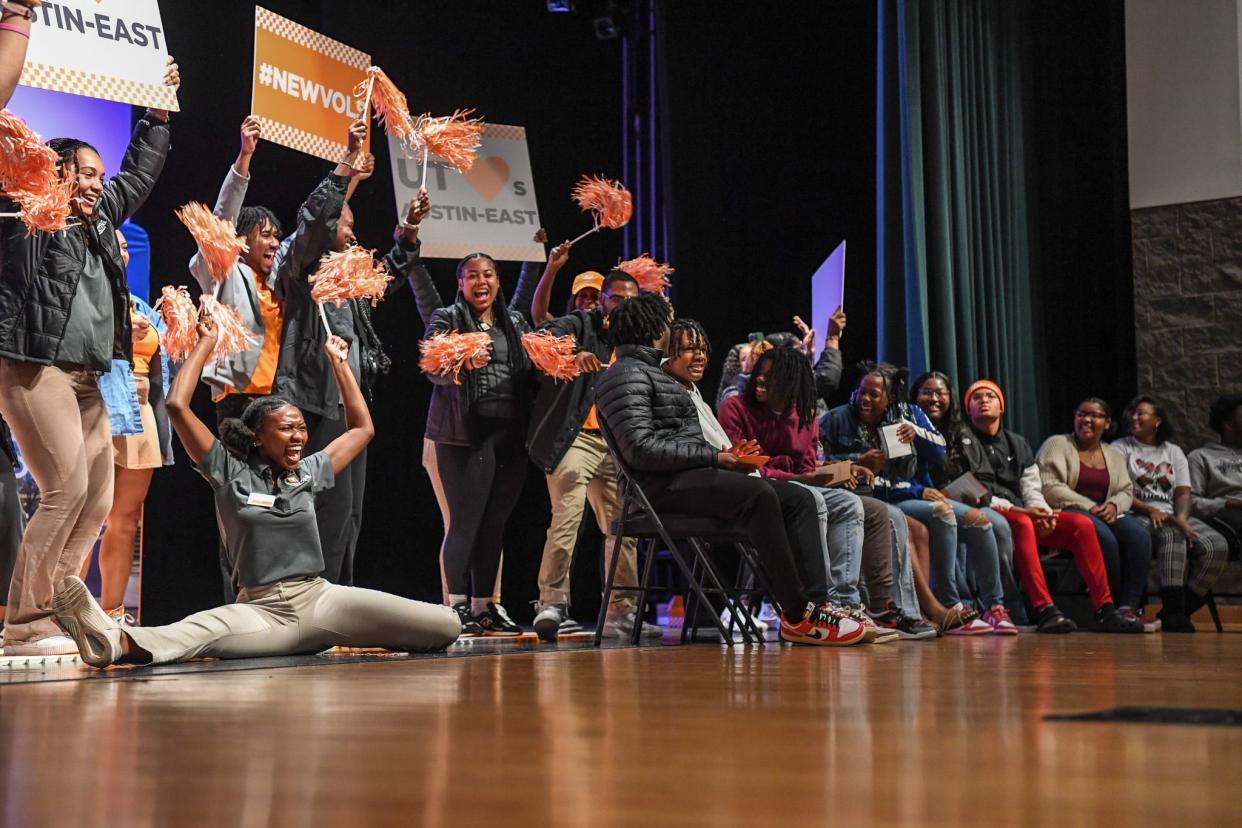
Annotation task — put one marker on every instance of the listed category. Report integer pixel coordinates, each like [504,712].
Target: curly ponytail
[237,433]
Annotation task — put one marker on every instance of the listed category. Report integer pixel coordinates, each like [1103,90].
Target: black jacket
[561,407]
[39,274]
[303,374]
[449,418]
[652,420]
[998,461]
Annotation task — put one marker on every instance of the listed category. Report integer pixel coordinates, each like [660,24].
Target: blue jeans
[945,528]
[1009,581]
[1126,546]
[906,597]
[841,534]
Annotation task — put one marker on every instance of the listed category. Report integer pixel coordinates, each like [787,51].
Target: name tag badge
[266,501]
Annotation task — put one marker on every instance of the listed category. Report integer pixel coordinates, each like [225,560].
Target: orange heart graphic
[488,175]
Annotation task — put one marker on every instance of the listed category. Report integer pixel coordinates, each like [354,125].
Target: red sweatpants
[1074,532]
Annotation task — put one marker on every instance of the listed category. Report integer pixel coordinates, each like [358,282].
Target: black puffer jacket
[39,274]
[449,418]
[652,420]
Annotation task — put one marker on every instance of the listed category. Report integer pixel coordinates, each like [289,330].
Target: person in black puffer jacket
[479,429]
[64,316]
[653,426]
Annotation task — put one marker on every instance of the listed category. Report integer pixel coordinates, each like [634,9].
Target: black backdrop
[773,163]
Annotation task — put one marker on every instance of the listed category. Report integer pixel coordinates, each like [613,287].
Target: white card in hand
[893,447]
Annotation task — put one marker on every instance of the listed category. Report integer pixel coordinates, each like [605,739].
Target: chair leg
[1210,600]
[644,586]
[608,584]
[680,559]
[690,622]
[718,586]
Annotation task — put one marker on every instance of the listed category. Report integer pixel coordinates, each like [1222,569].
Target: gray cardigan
[237,291]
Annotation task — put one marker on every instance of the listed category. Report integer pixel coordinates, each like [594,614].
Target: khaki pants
[303,615]
[61,426]
[585,474]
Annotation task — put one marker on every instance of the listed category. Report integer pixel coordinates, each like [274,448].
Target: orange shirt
[591,423]
[146,348]
[265,371]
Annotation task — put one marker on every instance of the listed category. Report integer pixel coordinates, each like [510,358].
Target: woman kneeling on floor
[265,494]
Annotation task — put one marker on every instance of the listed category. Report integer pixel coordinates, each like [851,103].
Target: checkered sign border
[311,39]
[94,85]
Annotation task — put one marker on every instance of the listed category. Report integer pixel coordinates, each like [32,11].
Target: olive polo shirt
[268,521]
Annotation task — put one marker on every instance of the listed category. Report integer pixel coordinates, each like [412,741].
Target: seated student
[852,432]
[933,393]
[655,425]
[1080,473]
[265,495]
[1003,461]
[1162,503]
[777,410]
[1216,473]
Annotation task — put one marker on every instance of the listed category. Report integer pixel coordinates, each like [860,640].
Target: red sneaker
[824,627]
[998,619]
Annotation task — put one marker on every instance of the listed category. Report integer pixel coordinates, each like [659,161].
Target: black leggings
[481,486]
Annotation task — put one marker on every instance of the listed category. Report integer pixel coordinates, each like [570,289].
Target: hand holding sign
[172,79]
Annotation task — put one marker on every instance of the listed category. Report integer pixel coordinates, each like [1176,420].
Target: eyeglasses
[1090,415]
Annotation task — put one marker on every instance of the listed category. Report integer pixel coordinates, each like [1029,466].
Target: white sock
[454,600]
[479,605]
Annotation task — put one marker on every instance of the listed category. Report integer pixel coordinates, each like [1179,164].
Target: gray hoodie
[1215,477]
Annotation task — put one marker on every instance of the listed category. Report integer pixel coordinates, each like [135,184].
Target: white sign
[490,209]
[110,49]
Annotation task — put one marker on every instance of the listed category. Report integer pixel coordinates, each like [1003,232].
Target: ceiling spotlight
[560,6]
[605,28]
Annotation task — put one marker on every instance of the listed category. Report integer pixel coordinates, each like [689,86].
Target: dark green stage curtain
[953,256]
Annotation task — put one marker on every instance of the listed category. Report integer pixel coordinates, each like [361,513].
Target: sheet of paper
[893,447]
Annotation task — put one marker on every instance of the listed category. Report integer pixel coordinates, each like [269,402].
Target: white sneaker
[620,626]
[726,617]
[768,616]
[875,634]
[98,636]
[50,646]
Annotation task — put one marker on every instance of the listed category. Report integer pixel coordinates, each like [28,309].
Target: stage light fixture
[560,6]
[605,28]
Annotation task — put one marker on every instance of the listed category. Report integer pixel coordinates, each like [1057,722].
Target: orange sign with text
[303,88]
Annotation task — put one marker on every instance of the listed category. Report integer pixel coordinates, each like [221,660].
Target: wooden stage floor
[950,732]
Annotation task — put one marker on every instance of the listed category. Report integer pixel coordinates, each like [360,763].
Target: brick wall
[1188,308]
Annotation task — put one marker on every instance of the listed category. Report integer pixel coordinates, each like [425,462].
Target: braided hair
[693,331]
[640,321]
[789,381]
[237,433]
[894,379]
[249,218]
[66,149]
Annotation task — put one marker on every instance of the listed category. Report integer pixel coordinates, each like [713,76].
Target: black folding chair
[640,520]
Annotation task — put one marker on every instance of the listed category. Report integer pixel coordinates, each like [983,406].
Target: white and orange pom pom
[609,201]
[232,335]
[445,354]
[652,277]
[454,139]
[391,107]
[216,238]
[29,176]
[180,322]
[351,273]
[552,355]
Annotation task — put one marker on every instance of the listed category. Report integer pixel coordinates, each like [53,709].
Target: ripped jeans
[948,523]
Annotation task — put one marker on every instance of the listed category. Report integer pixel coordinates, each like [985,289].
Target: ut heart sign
[491,208]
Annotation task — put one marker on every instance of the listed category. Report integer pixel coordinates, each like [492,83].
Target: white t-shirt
[1155,470]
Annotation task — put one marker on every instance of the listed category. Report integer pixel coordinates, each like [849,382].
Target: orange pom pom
[29,176]
[455,139]
[445,354]
[553,355]
[609,201]
[391,107]
[217,238]
[349,274]
[233,337]
[180,320]
[651,276]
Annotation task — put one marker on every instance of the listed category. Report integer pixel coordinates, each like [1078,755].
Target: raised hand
[807,344]
[336,348]
[357,135]
[172,77]
[420,206]
[541,236]
[836,326]
[207,330]
[251,132]
[364,166]
[558,255]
